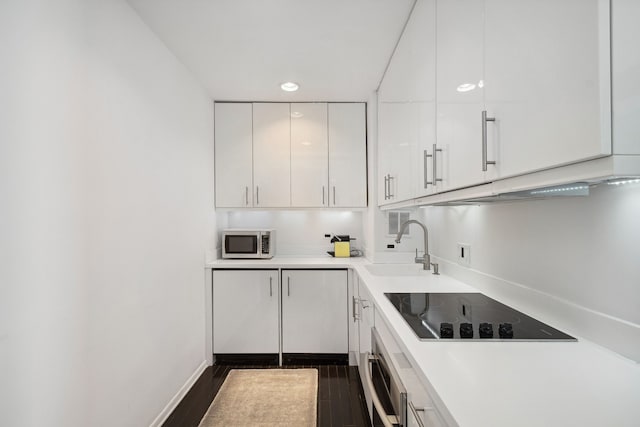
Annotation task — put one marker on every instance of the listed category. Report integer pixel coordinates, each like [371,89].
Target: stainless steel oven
[388,395]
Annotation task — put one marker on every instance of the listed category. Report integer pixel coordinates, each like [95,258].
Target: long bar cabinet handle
[270,286]
[435,178]
[485,119]
[386,182]
[387,420]
[426,179]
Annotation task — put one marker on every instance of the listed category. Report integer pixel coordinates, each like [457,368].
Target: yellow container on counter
[342,249]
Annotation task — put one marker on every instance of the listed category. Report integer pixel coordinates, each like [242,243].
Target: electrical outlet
[464,254]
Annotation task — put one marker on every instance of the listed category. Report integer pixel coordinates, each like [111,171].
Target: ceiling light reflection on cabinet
[296,114]
[466,87]
[306,143]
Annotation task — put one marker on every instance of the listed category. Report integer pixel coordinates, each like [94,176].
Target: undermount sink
[397,270]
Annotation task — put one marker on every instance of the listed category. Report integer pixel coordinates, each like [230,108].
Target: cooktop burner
[469,317]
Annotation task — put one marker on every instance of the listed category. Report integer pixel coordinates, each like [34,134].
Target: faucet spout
[425,260]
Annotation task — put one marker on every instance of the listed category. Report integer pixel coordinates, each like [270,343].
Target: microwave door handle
[387,420]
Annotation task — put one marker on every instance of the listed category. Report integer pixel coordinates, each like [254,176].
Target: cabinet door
[233,155]
[366,319]
[347,155]
[309,155]
[397,134]
[420,33]
[460,89]
[365,324]
[245,311]
[314,311]
[397,142]
[546,82]
[271,155]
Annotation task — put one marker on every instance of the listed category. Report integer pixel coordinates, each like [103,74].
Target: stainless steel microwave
[257,244]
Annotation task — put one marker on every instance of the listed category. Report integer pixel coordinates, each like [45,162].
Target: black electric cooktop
[469,317]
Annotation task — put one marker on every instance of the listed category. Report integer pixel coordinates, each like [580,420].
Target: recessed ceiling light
[289,86]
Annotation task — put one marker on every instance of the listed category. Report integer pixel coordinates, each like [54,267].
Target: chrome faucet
[425,260]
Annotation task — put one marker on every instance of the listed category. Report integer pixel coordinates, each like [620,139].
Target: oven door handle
[387,420]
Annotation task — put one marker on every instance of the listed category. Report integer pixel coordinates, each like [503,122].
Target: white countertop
[292,262]
[498,383]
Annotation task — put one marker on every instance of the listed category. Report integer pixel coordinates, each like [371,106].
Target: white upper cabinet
[271,155]
[347,155]
[233,155]
[406,111]
[460,91]
[421,39]
[278,155]
[520,86]
[328,155]
[547,83]
[309,155]
[396,145]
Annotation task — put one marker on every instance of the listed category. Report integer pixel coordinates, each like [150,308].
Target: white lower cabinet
[363,309]
[245,311]
[314,311]
[248,318]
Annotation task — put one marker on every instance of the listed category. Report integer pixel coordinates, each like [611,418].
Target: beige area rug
[265,398]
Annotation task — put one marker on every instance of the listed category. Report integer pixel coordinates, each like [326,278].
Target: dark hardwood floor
[340,396]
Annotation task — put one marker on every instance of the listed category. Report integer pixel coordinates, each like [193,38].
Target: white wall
[151,194]
[301,232]
[107,214]
[43,270]
[580,251]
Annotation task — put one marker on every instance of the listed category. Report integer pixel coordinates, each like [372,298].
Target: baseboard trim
[173,403]
[289,359]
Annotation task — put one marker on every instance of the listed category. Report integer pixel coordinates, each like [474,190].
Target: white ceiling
[241,50]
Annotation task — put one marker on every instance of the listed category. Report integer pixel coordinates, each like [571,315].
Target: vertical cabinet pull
[391,196]
[270,286]
[323,195]
[354,311]
[257,195]
[435,165]
[246,196]
[426,179]
[334,195]
[485,119]
[386,181]
[288,286]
